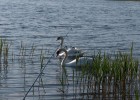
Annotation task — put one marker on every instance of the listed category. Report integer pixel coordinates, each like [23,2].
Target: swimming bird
[73,52]
[78,62]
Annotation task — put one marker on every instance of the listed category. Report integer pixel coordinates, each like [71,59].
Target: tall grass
[4,51]
[109,77]
[25,53]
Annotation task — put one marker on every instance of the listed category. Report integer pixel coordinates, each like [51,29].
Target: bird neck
[63,63]
[61,43]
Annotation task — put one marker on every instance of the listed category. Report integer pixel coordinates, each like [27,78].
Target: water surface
[89,24]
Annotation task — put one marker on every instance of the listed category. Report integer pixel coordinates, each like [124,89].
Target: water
[91,25]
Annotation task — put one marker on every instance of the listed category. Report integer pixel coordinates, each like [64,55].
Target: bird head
[60,38]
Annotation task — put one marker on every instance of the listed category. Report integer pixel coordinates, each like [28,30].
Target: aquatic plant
[33,48]
[108,77]
[4,50]
[42,58]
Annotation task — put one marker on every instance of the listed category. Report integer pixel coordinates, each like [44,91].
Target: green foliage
[111,76]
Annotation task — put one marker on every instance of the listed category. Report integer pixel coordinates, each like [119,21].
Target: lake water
[106,25]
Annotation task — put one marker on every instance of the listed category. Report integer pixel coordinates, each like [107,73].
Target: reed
[32,52]
[1,46]
[41,59]
[4,51]
[22,53]
[109,77]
